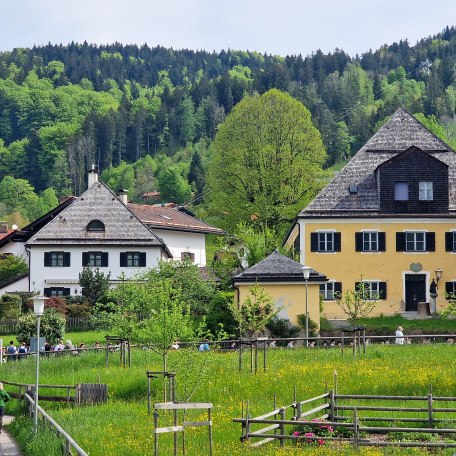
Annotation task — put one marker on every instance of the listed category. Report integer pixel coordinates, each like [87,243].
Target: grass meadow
[123,427]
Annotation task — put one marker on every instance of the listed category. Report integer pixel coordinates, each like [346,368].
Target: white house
[102,230]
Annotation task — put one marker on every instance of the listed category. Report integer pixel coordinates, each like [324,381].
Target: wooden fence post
[331,406]
[155,434]
[355,429]
[282,425]
[430,418]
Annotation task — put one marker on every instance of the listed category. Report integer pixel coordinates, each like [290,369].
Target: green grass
[123,427]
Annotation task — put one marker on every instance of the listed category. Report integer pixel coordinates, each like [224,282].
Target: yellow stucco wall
[389,266]
[291,297]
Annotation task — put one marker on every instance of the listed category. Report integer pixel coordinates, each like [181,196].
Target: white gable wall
[184,241]
[42,277]
[16,248]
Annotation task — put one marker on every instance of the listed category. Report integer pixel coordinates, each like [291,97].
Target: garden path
[8,446]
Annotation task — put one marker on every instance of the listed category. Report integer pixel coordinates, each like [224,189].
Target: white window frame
[326,239]
[426,191]
[371,290]
[369,242]
[415,243]
[327,291]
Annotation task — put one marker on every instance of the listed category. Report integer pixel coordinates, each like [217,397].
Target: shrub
[310,433]
[282,328]
[220,312]
[78,310]
[52,326]
[313,327]
[10,307]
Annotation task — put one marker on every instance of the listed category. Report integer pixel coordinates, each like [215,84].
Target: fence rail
[349,416]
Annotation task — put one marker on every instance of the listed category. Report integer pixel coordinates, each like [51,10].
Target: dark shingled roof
[277,268]
[100,203]
[398,134]
[161,217]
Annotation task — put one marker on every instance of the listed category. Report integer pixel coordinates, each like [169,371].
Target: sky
[276,27]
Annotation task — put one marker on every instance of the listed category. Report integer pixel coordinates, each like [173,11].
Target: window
[328,290]
[370,241]
[426,191]
[415,242]
[56,291]
[95,259]
[56,259]
[450,290]
[371,290]
[187,256]
[132,259]
[450,241]
[401,191]
[95,225]
[325,241]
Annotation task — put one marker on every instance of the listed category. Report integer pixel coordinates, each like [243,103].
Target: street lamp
[438,276]
[38,308]
[306,273]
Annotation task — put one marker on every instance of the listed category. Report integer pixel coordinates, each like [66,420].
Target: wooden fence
[428,415]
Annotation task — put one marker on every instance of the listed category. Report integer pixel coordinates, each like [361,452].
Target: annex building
[387,219]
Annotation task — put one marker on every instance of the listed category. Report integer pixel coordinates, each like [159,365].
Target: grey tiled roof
[399,133]
[122,227]
[277,268]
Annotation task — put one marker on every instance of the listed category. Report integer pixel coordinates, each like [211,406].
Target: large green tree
[267,161]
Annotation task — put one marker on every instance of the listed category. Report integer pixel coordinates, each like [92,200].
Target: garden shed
[282,278]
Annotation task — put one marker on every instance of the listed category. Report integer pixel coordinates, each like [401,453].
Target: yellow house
[283,280]
[388,219]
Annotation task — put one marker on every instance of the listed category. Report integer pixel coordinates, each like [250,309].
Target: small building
[282,278]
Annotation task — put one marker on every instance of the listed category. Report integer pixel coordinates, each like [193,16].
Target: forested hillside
[147,116]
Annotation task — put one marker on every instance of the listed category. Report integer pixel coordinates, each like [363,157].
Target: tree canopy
[267,161]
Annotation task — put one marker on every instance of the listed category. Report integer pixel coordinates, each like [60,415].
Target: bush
[78,310]
[52,326]
[219,312]
[10,307]
[313,327]
[282,328]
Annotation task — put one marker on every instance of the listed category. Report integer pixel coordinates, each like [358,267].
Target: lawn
[122,427]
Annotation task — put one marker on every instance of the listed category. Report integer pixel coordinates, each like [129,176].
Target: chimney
[3,227]
[123,195]
[93,176]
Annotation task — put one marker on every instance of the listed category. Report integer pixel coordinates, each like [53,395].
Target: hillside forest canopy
[148,116]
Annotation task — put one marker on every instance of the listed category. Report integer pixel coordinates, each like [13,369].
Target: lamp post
[38,308]
[306,273]
[438,276]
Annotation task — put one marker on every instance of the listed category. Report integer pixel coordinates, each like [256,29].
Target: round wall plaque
[416,267]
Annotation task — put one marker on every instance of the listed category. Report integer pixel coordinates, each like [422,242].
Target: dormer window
[401,191]
[426,191]
[96,225]
[353,189]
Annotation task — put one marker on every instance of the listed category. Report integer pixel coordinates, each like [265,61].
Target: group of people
[13,353]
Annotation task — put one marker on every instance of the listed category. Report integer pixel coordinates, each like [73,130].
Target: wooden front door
[415,291]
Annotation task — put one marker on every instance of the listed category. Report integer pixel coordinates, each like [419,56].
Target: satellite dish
[14,227]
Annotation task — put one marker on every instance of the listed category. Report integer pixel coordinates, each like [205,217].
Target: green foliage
[10,306]
[11,266]
[356,303]
[95,284]
[266,163]
[219,312]
[313,326]
[282,328]
[52,326]
[255,312]
[173,187]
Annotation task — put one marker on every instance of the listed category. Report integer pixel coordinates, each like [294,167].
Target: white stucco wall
[16,248]
[46,277]
[183,241]
[18,285]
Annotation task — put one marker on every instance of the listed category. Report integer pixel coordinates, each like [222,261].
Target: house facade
[388,220]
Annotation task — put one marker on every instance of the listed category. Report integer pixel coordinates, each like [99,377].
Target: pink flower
[321,442]
[296,434]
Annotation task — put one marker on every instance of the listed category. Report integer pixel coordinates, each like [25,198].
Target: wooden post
[175,433]
[282,426]
[155,434]
[107,354]
[247,427]
[331,406]
[264,355]
[430,418]
[240,354]
[355,430]
[256,355]
[364,341]
[251,356]
[354,343]
[343,342]
[209,418]
[129,354]
[148,394]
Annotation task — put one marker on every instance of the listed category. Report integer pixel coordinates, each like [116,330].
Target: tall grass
[123,427]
